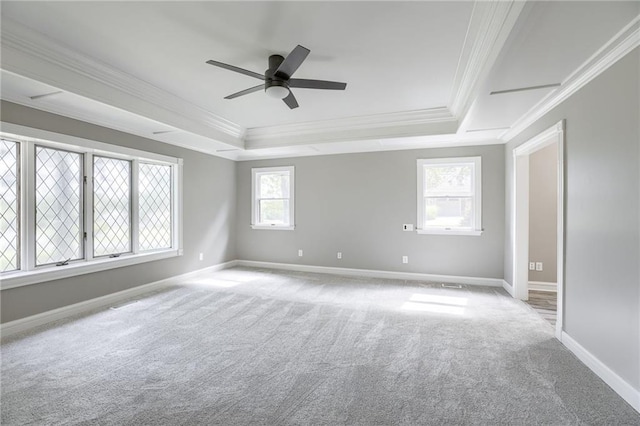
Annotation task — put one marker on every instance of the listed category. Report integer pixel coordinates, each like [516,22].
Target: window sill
[19,279]
[450,232]
[273,227]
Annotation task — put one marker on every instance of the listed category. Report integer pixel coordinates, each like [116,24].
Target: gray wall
[357,203]
[602,215]
[209,220]
[543,213]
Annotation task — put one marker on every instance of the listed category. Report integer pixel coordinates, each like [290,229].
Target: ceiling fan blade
[291,101]
[292,62]
[245,91]
[236,69]
[316,84]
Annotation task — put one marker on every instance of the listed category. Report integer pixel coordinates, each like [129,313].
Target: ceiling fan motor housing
[274,84]
[271,79]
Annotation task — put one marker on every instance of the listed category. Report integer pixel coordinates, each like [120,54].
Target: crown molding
[179,138]
[30,54]
[396,124]
[490,24]
[627,39]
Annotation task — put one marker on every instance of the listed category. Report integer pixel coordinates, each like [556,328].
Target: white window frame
[476,230]
[255,174]
[31,274]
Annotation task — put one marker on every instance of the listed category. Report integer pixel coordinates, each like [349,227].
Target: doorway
[554,136]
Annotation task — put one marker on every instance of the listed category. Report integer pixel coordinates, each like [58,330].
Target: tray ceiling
[418,73]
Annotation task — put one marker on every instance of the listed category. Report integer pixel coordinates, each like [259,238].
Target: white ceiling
[418,73]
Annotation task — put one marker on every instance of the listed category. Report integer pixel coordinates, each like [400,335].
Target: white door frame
[520,222]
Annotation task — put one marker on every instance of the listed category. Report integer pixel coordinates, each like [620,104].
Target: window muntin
[111,206]
[9,206]
[155,201]
[449,195]
[26,140]
[58,205]
[272,202]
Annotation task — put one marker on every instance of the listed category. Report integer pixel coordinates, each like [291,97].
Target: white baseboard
[543,286]
[507,287]
[22,324]
[617,383]
[491,282]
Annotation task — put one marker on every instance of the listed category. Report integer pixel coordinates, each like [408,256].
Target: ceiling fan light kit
[277,92]
[277,79]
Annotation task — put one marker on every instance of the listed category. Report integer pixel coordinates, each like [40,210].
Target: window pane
[9,250]
[274,185]
[111,206]
[155,206]
[58,205]
[274,211]
[449,212]
[456,179]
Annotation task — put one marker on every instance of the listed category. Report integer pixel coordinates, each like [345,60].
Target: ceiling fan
[277,79]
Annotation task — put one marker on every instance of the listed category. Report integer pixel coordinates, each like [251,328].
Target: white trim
[543,286]
[490,24]
[507,287]
[617,383]
[520,224]
[520,215]
[23,278]
[615,49]
[434,231]
[178,235]
[273,228]
[433,121]
[539,141]
[490,282]
[23,324]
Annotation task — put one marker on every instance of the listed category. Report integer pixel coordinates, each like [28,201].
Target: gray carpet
[250,346]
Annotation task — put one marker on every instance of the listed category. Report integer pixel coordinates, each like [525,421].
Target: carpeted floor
[250,346]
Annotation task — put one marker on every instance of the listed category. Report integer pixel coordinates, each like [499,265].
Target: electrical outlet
[405,259]
[407,227]
[201,257]
[339,255]
[300,253]
[532,266]
[538,266]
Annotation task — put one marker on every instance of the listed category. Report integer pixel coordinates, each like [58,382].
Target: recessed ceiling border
[621,44]
[29,53]
[397,124]
[489,27]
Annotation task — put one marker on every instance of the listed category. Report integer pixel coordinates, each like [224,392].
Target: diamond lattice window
[9,224]
[111,206]
[58,205]
[154,189]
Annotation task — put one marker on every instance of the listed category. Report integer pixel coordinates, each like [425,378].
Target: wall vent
[123,305]
[448,285]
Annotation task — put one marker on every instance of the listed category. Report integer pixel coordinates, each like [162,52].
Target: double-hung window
[272,201]
[70,206]
[449,196]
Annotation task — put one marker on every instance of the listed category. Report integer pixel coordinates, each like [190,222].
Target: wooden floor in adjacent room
[545,303]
